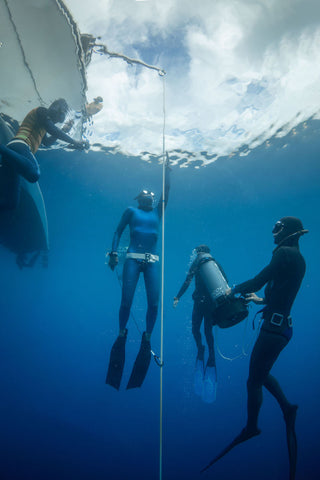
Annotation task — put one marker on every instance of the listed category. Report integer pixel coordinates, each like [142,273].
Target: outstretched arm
[167,185]
[185,284]
[54,131]
[256,283]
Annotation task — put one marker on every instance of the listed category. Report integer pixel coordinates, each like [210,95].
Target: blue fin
[210,385]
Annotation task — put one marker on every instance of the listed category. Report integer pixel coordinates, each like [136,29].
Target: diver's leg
[254,385]
[289,411]
[20,156]
[142,362]
[265,352]
[9,187]
[152,284]
[209,337]
[197,316]
[131,271]
[210,376]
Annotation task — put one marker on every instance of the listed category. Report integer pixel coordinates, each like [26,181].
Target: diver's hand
[82,145]
[113,260]
[67,126]
[228,291]
[252,297]
[175,302]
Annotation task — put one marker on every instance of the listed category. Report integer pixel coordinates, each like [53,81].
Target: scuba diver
[283,277]
[18,156]
[205,377]
[216,308]
[143,222]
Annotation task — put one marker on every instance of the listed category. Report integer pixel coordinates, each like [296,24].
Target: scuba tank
[226,310]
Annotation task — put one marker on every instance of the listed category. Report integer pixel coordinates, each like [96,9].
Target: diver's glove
[113,260]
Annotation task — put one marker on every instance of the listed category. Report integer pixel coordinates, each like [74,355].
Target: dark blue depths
[58,418]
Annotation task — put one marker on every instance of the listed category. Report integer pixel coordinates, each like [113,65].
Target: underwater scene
[187,130]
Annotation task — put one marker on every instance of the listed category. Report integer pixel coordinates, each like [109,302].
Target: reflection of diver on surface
[18,156]
[283,277]
[210,304]
[141,257]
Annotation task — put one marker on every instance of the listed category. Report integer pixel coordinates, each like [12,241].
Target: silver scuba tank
[226,310]
[211,275]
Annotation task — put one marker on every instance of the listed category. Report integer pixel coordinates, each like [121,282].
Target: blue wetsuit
[144,228]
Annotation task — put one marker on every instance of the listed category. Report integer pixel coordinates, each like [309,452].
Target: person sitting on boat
[18,157]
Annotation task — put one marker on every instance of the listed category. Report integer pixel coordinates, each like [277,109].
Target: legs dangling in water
[210,375]
[265,352]
[17,160]
[131,271]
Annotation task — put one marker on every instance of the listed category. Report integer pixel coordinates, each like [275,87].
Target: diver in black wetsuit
[283,277]
[141,257]
[18,156]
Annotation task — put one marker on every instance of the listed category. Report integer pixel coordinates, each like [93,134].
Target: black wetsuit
[283,277]
[202,309]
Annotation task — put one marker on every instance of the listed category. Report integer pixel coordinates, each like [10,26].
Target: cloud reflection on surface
[238,73]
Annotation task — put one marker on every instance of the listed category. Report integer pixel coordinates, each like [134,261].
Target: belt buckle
[277,319]
[147,257]
[289,320]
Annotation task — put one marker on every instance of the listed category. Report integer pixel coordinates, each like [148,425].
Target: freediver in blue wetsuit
[18,156]
[143,222]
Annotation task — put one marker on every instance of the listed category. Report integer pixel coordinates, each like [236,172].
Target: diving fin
[198,377]
[116,362]
[210,385]
[242,437]
[141,364]
[290,419]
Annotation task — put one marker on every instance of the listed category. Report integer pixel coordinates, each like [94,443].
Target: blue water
[59,420]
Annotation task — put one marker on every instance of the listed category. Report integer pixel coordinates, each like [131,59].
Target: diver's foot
[200,355]
[211,362]
[290,416]
[247,433]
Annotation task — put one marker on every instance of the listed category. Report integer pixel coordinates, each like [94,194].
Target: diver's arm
[186,283]
[256,283]
[167,184]
[113,255]
[125,219]
[54,131]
